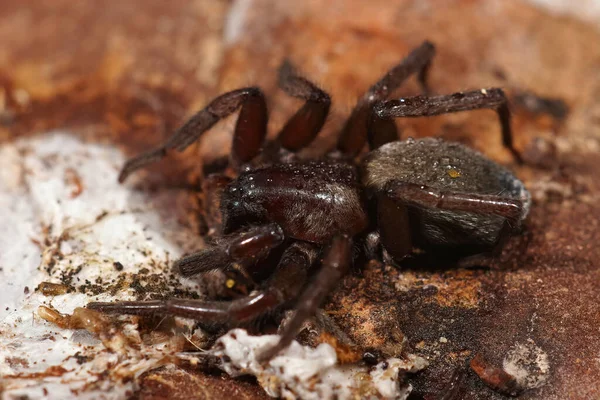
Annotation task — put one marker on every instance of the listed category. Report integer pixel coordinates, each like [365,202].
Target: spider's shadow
[424,262]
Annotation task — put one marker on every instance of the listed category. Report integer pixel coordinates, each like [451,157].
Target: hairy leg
[398,195]
[420,195]
[354,132]
[423,106]
[249,133]
[242,248]
[303,127]
[336,263]
[485,258]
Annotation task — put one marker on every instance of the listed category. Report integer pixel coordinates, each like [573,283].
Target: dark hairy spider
[429,194]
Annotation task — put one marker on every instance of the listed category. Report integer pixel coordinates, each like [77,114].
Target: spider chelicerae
[437,196]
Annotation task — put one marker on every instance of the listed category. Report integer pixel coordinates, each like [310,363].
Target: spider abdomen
[311,201]
[446,167]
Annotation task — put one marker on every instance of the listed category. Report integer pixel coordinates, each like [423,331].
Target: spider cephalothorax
[425,193]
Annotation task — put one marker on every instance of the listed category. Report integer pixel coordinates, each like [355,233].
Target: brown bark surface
[129,72]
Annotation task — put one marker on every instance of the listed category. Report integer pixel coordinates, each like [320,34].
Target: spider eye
[230,283]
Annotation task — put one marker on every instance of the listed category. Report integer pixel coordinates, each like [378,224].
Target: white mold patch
[307,373]
[64,219]
[529,365]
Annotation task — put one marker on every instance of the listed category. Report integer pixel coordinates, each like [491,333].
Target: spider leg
[485,258]
[422,106]
[284,285]
[302,127]
[242,248]
[219,312]
[425,196]
[354,132]
[393,202]
[335,265]
[249,133]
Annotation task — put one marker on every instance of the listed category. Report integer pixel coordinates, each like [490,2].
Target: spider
[426,193]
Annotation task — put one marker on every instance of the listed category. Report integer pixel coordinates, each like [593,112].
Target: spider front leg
[248,137]
[424,106]
[284,285]
[241,248]
[336,263]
